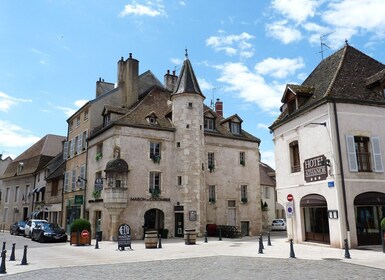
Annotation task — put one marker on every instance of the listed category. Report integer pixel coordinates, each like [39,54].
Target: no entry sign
[289,197]
[84,233]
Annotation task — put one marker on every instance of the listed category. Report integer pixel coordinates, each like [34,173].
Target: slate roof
[343,76]
[266,175]
[35,157]
[55,167]
[187,82]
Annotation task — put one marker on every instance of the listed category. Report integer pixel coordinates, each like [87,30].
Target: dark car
[49,232]
[17,228]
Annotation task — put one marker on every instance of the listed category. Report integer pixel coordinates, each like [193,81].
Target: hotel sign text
[315,169]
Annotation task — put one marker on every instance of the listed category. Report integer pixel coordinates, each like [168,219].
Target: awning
[38,189]
[34,214]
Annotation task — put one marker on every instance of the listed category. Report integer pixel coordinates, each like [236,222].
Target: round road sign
[84,233]
[289,197]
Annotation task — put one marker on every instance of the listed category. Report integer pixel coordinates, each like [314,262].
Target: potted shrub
[80,232]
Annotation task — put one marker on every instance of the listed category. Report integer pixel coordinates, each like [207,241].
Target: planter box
[77,239]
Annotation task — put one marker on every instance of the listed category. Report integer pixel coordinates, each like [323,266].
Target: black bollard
[12,257]
[220,235]
[2,267]
[263,247]
[260,249]
[97,243]
[206,236]
[347,254]
[24,260]
[292,255]
[268,239]
[4,244]
[160,241]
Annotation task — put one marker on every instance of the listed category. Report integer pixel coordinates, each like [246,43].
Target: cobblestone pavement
[221,267]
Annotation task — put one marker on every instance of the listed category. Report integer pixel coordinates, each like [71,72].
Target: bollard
[206,236]
[160,241]
[97,243]
[263,247]
[220,235]
[4,244]
[347,254]
[12,257]
[292,255]
[24,260]
[260,249]
[2,267]
[268,239]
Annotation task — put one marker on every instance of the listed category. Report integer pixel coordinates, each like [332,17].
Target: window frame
[235,128]
[244,193]
[209,124]
[295,159]
[211,194]
[155,178]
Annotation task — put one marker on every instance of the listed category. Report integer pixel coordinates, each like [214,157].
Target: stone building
[23,189]
[329,140]
[169,162]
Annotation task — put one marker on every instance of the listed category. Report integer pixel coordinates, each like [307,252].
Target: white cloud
[280,67]
[70,111]
[232,44]
[182,3]
[297,10]
[13,136]
[262,126]
[282,32]
[250,86]
[6,101]
[268,157]
[205,85]
[152,9]
[80,103]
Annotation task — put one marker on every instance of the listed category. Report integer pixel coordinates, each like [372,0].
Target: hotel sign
[315,169]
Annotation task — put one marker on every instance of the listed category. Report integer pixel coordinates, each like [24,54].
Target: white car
[31,224]
[278,224]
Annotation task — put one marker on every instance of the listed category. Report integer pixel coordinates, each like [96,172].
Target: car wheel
[41,238]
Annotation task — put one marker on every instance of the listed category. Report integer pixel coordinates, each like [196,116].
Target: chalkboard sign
[124,237]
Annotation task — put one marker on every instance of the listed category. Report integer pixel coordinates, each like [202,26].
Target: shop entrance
[179,225]
[369,211]
[154,220]
[315,218]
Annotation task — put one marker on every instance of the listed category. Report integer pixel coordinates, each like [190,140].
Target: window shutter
[65,150]
[351,149]
[80,143]
[377,156]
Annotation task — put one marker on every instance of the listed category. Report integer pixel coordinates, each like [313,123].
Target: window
[66,183]
[5,214]
[20,167]
[84,140]
[6,195]
[231,204]
[65,150]
[77,121]
[294,157]
[82,174]
[244,193]
[235,128]
[190,105]
[154,184]
[178,144]
[267,192]
[54,188]
[242,158]
[155,151]
[73,179]
[211,193]
[209,124]
[26,193]
[17,189]
[179,181]
[85,115]
[118,183]
[71,126]
[38,176]
[106,120]
[364,152]
[211,162]
[99,151]
[79,143]
[72,147]
[291,105]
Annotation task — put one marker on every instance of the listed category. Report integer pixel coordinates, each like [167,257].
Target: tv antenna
[322,37]
[212,103]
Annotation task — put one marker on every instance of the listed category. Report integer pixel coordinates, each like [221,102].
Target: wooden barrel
[151,239]
[189,236]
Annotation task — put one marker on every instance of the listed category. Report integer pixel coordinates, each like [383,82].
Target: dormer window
[152,119]
[106,120]
[291,105]
[209,124]
[235,128]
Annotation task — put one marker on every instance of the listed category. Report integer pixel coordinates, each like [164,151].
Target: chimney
[102,87]
[219,107]
[170,80]
[128,80]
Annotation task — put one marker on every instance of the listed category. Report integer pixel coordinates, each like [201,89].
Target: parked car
[278,224]
[17,228]
[49,232]
[31,224]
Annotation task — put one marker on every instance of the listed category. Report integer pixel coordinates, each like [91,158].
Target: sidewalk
[65,255]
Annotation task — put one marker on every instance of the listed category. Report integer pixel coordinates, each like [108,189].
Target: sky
[243,52]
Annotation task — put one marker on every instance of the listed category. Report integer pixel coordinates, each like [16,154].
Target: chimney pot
[130,55]
[219,107]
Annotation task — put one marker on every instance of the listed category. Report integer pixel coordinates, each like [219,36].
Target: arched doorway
[369,210]
[315,218]
[154,220]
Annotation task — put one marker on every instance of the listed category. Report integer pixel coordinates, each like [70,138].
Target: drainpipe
[341,169]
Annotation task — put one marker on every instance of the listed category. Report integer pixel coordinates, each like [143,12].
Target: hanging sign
[315,169]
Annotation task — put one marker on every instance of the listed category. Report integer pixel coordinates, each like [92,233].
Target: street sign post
[289,209]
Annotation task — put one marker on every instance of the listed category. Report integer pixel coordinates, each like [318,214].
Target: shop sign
[98,184]
[315,169]
[78,199]
[124,237]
